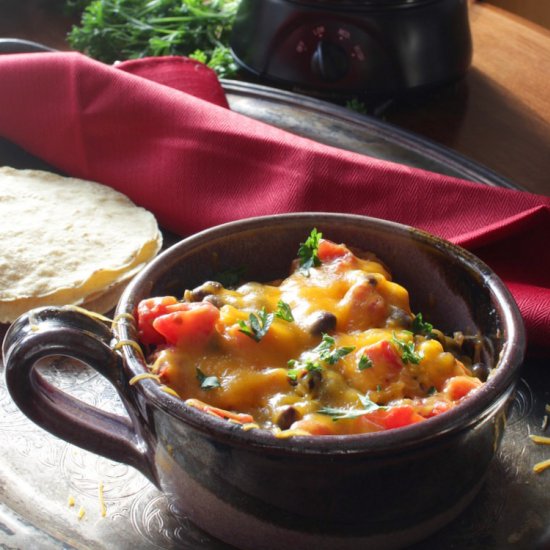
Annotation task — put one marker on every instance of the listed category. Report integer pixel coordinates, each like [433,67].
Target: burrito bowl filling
[332,349]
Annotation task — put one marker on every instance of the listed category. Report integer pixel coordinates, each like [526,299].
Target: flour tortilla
[67,241]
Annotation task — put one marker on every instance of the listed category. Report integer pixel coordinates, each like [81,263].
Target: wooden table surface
[499,115]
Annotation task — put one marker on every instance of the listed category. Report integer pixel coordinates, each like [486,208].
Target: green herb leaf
[308,253]
[284,312]
[326,344]
[297,368]
[408,354]
[323,353]
[329,355]
[370,405]
[258,324]
[419,326]
[112,30]
[365,362]
[338,413]
[207,382]
[342,413]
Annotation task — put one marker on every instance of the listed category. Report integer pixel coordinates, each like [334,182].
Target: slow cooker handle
[46,332]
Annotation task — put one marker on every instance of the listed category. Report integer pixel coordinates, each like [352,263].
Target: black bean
[481,371]
[314,379]
[214,300]
[210,287]
[323,321]
[309,383]
[287,417]
[400,318]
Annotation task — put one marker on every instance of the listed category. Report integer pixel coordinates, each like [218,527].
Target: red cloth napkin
[195,163]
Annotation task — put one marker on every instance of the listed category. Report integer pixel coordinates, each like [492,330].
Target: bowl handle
[53,331]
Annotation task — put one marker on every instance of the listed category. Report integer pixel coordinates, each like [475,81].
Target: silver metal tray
[40,475]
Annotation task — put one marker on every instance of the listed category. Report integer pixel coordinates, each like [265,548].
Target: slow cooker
[344,48]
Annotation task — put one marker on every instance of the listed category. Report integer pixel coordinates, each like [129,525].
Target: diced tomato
[328,250]
[147,311]
[383,355]
[394,417]
[188,324]
[459,386]
[312,426]
[242,418]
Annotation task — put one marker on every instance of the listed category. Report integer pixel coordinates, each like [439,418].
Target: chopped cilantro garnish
[284,312]
[338,413]
[337,354]
[368,404]
[365,362]
[296,368]
[408,354]
[207,382]
[308,253]
[258,324]
[419,326]
[342,413]
[314,359]
[329,355]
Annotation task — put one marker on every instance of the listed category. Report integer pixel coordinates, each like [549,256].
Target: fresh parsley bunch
[115,30]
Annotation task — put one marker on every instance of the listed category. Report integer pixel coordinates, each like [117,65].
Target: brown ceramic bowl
[248,488]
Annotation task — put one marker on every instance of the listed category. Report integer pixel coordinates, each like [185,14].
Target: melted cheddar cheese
[349,360]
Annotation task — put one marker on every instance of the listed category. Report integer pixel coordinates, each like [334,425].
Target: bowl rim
[497,389]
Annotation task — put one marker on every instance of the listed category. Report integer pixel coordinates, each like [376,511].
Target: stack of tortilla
[68,241]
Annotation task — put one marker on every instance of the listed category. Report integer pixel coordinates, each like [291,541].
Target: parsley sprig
[113,30]
[327,353]
[284,312]
[207,382]
[299,367]
[419,326]
[308,253]
[365,362]
[341,413]
[408,353]
[258,324]
[313,361]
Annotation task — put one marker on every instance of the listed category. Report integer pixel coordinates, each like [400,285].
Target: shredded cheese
[89,313]
[541,440]
[134,345]
[102,506]
[144,376]
[121,316]
[541,466]
[250,426]
[285,434]
[168,390]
